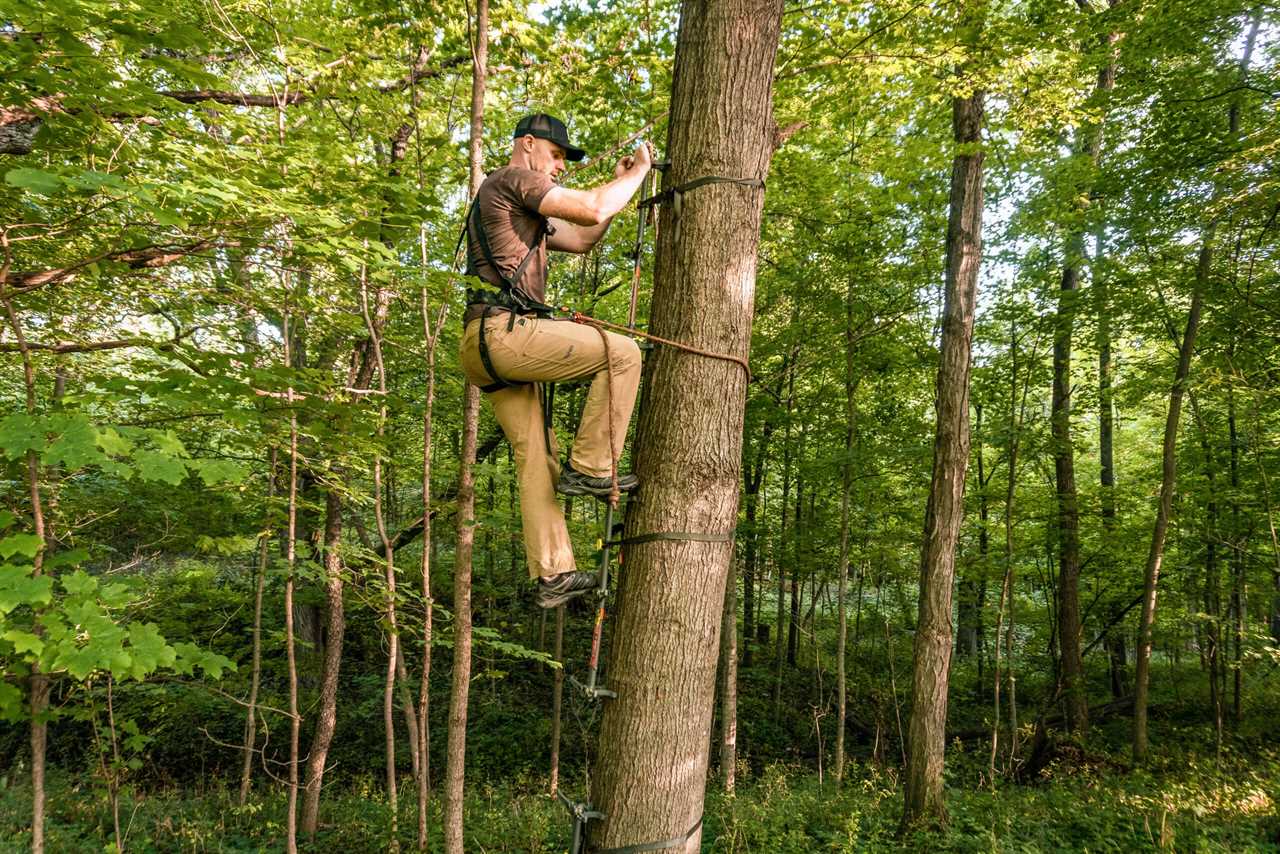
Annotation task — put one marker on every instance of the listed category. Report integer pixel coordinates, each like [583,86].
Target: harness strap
[654,846]
[683,536]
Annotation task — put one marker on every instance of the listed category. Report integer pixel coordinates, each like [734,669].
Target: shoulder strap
[511,282]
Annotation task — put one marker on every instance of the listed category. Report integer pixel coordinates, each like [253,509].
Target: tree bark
[926,738]
[335,627]
[260,580]
[39,682]
[729,687]
[456,749]
[846,485]
[1169,465]
[655,737]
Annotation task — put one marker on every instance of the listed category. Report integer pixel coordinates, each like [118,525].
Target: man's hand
[640,161]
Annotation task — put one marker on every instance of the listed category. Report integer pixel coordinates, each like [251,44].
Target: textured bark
[729,687]
[926,736]
[456,748]
[1169,467]
[846,485]
[335,627]
[251,716]
[1068,598]
[1089,146]
[655,737]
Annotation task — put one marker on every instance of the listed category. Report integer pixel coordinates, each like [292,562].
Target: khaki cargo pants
[539,350]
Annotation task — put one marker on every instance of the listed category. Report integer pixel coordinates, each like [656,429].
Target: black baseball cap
[548,127]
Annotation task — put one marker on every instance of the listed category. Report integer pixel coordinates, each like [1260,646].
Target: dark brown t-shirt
[508,210]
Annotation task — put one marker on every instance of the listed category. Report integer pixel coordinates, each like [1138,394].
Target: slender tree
[456,752]
[926,739]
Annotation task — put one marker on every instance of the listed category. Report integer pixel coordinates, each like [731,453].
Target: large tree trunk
[926,737]
[1155,556]
[456,749]
[654,741]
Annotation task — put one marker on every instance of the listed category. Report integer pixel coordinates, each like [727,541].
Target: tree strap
[684,536]
[654,846]
[674,193]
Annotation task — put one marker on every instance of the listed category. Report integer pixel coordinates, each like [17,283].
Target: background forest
[231,393]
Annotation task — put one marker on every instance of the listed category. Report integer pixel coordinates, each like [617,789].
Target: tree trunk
[260,580]
[846,486]
[654,740]
[456,750]
[335,627]
[926,739]
[39,682]
[729,686]
[1237,565]
[1169,459]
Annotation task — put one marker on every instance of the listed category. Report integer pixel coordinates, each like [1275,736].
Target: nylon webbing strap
[686,187]
[685,536]
[654,846]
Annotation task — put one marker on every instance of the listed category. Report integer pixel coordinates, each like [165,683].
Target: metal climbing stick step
[590,687]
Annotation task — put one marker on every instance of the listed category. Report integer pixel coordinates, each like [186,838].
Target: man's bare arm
[581,217]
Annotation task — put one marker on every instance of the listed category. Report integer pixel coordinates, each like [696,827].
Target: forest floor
[1182,802]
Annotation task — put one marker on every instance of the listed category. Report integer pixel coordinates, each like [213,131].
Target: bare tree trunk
[729,686]
[1169,458]
[335,627]
[389,575]
[39,682]
[291,554]
[557,699]
[778,554]
[456,752]
[432,338]
[651,775]
[251,717]
[846,486]
[1237,565]
[926,740]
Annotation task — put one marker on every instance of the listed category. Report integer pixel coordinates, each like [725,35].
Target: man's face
[545,156]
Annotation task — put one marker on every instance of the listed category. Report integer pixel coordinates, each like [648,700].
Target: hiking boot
[574,482]
[564,587]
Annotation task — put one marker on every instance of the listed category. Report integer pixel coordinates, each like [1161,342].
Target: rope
[684,536]
[654,846]
[579,317]
[614,491]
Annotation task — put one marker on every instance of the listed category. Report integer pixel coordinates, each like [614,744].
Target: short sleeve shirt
[508,211]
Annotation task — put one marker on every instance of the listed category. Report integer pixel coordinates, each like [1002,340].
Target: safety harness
[509,296]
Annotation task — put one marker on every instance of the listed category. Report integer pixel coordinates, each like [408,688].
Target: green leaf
[24,544]
[17,587]
[149,650]
[6,519]
[76,447]
[112,442]
[35,180]
[80,584]
[20,433]
[213,472]
[24,641]
[11,708]
[155,465]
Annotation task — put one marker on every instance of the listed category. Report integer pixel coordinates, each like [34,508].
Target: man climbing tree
[511,344]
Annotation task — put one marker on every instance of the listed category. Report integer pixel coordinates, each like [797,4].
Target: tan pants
[537,350]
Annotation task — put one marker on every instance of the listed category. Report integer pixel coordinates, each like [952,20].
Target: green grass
[1183,803]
